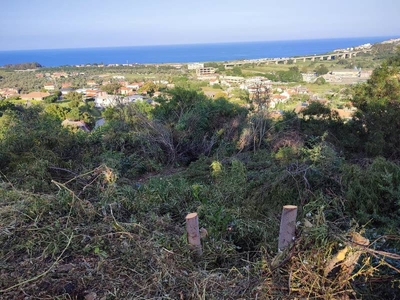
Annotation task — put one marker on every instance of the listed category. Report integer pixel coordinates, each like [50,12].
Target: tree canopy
[111,88]
[378,102]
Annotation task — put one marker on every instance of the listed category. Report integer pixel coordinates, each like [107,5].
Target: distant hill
[23,66]
[386,48]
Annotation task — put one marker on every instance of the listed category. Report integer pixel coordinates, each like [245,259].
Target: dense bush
[373,193]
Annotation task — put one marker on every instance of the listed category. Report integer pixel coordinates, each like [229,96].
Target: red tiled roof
[35,95]
[278,97]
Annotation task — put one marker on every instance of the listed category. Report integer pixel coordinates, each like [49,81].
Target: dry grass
[66,247]
[326,263]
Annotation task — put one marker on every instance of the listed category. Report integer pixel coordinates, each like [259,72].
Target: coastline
[184,54]
[265,59]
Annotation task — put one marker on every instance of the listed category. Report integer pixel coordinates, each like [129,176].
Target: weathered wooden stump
[193,233]
[288,226]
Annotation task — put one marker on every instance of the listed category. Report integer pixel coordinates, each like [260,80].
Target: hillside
[101,214]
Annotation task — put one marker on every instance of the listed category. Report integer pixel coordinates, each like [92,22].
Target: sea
[183,53]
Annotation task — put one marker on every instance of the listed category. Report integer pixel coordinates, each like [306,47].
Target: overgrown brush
[68,247]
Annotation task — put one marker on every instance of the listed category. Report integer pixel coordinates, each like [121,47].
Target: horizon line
[201,43]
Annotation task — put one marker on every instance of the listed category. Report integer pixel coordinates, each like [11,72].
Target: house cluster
[13,92]
[127,93]
[55,75]
[104,100]
[253,83]
[259,84]
[92,89]
[392,41]
[364,46]
[177,66]
[284,94]
[244,83]
[8,92]
[58,75]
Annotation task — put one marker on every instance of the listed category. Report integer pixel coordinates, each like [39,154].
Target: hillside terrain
[99,212]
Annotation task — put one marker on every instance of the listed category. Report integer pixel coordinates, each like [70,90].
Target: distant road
[332,56]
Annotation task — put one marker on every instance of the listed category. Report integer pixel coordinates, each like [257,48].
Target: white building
[104,100]
[165,82]
[195,66]
[134,98]
[205,71]
[213,81]
[256,80]
[253,83]
[207,77]
[232,79]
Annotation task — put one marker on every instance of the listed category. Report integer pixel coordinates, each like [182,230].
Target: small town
[101,89]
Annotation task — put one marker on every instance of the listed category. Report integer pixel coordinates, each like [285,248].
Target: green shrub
[373,193]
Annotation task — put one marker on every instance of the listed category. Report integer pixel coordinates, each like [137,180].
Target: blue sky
[41,24]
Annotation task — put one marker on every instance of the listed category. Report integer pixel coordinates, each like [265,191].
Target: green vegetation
[74,98]
[292,75]
[102,213]
[28,82]
[320,81]
[149,87]
[321,70]
[378,104]
[235,71]
[111,88]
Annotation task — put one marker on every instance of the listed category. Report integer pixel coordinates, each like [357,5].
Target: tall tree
[74,98]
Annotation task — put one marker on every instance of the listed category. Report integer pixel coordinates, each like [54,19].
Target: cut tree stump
[193,233]
[288,226]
